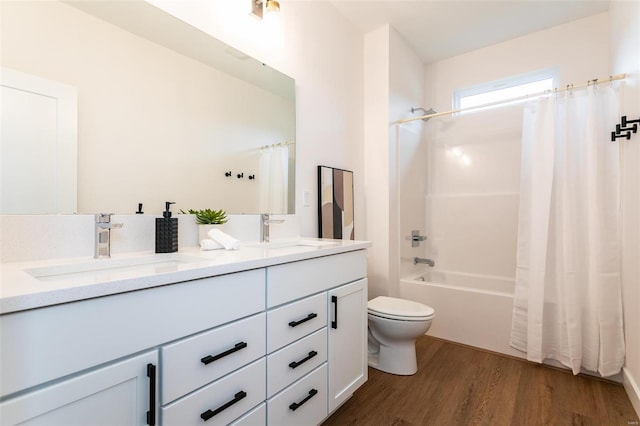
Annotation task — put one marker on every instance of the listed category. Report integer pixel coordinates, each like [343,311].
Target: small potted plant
[207,219]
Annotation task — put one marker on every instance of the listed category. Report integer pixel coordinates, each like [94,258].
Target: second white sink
[295,243]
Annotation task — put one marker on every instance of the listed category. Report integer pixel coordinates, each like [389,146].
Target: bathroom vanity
[261,335]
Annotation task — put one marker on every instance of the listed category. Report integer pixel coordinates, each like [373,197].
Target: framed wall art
[335,203]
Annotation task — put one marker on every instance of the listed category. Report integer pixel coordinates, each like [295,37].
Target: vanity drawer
[303,403]
[295,320]
[255,417]
[294,361]
[294,280]
[239,392]
[193,362]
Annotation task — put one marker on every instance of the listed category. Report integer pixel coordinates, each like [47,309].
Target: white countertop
[20,290]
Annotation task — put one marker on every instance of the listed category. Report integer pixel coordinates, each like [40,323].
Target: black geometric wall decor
[622,131]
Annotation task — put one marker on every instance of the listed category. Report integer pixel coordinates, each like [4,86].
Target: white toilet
[394,325]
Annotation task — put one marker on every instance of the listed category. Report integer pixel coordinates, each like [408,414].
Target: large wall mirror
[165,112]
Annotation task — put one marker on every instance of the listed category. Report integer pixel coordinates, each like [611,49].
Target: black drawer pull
[296,405]
[151,414]
[210,358]
[303,320]
[296,364]
[334,300]
[208,414]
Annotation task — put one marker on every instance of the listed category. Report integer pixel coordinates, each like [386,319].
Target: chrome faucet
[264,226]
[103,235]
[428,262]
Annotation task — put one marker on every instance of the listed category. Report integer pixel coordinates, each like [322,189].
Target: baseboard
[632,388]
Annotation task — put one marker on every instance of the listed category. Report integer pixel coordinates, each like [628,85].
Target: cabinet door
[347,341]
[120,394]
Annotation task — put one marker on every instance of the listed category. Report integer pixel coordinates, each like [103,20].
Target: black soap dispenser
[167,231]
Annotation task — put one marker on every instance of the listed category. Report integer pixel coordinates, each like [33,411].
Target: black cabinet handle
[151,414]
[296,364]
[303,320]
[210,358]
[208,414]
[296,405]
[334,300]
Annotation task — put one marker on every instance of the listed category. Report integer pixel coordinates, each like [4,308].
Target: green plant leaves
[208,216]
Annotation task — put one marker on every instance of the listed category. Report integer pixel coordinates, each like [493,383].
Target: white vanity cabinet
[282,344]
[316,336]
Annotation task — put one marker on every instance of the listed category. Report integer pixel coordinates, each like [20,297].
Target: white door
[120,394]
[38,145]
[347,341]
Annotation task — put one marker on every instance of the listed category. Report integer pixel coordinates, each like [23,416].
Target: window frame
[503,83]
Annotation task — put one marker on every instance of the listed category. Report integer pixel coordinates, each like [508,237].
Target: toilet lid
[397,308]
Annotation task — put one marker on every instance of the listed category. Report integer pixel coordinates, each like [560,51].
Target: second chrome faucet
[265,221]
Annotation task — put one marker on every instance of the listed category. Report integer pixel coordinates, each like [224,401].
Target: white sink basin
[96,266]
[296,243]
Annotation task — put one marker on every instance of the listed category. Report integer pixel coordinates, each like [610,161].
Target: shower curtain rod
[273,145]
[519,98]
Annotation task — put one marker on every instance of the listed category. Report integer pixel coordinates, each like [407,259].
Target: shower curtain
[567,303]
[274,179]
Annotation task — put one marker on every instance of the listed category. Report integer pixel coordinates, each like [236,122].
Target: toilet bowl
[394,325]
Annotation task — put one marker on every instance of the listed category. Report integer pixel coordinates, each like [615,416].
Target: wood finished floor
[458,385]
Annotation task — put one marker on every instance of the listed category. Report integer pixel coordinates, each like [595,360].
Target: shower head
[426,112]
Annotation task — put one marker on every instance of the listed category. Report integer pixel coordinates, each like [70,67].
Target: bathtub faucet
[428,262]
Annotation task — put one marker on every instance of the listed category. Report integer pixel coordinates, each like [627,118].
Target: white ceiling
[441,29]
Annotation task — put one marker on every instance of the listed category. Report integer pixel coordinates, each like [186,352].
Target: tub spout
[428,262]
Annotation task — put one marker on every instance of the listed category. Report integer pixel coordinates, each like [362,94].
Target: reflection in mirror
[38,145]
[165,112]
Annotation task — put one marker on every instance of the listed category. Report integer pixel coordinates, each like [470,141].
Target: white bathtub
[470,309]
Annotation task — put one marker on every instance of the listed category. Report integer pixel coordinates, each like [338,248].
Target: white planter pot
[203,231]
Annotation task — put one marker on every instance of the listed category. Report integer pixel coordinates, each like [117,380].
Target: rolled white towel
[226,240]
[208,244]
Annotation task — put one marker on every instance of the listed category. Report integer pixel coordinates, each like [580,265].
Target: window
[504,89]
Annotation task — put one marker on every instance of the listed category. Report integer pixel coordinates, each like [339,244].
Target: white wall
[580,49]
[625,58]
[153,125]
[377,163]
[322,50]
[393,84]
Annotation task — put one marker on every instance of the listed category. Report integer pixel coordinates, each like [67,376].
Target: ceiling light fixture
[258,7]
[273,6]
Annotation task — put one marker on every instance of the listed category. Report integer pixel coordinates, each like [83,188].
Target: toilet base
[399,359]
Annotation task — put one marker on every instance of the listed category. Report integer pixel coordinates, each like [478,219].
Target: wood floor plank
[458,385]
[497,404]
